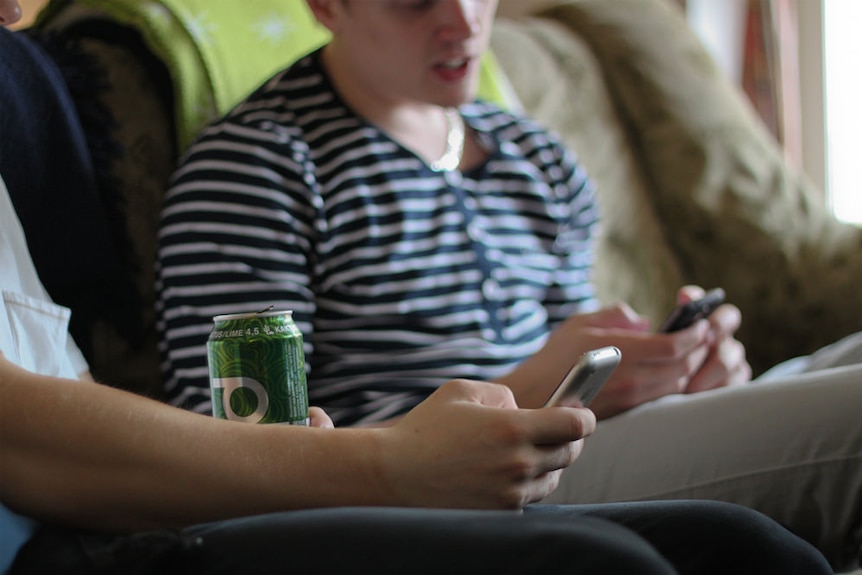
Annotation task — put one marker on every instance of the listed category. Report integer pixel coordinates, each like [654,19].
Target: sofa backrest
[706,176]
[693,189]
[173,66]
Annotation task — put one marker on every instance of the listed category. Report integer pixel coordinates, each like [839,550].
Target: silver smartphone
[586,377]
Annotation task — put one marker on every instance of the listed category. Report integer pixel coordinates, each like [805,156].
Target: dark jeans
[685,537]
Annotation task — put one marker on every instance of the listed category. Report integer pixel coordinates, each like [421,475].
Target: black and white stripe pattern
[400,278]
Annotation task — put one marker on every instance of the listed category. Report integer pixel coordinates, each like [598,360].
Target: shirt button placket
[490,288]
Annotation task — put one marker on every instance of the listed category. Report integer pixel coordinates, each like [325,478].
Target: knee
[755,543]
[605,548]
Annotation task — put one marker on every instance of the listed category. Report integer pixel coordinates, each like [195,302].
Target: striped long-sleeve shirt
[399,277]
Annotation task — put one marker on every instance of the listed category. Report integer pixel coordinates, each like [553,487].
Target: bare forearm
[90,455]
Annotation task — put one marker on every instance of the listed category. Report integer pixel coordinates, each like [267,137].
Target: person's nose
[10,12]
[461,19]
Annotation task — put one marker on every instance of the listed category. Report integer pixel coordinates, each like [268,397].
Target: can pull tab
[269,308]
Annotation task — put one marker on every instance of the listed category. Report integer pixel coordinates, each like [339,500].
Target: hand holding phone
[686,314]
[586,377]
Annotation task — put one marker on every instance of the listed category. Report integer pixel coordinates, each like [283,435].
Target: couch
[693,189]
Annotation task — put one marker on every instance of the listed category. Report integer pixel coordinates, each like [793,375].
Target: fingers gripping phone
[586,377]
[686,314]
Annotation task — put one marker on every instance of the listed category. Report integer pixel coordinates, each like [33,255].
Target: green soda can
[257,368]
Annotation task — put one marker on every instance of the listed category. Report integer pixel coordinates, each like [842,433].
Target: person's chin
[454,97]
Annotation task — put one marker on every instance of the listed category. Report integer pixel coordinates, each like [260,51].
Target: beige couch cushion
[732,211]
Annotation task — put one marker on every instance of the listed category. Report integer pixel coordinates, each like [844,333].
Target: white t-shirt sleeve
[33,329]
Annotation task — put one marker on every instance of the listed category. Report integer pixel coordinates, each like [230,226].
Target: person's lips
[453,69]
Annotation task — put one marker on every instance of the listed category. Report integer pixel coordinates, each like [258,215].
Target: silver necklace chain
[455,133]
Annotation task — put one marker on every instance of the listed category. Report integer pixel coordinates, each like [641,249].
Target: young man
[411,234]
[418,235]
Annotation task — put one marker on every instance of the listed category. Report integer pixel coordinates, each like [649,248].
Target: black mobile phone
[586,377]
[686,314]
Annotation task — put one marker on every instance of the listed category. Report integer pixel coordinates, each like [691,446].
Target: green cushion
[218,52]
